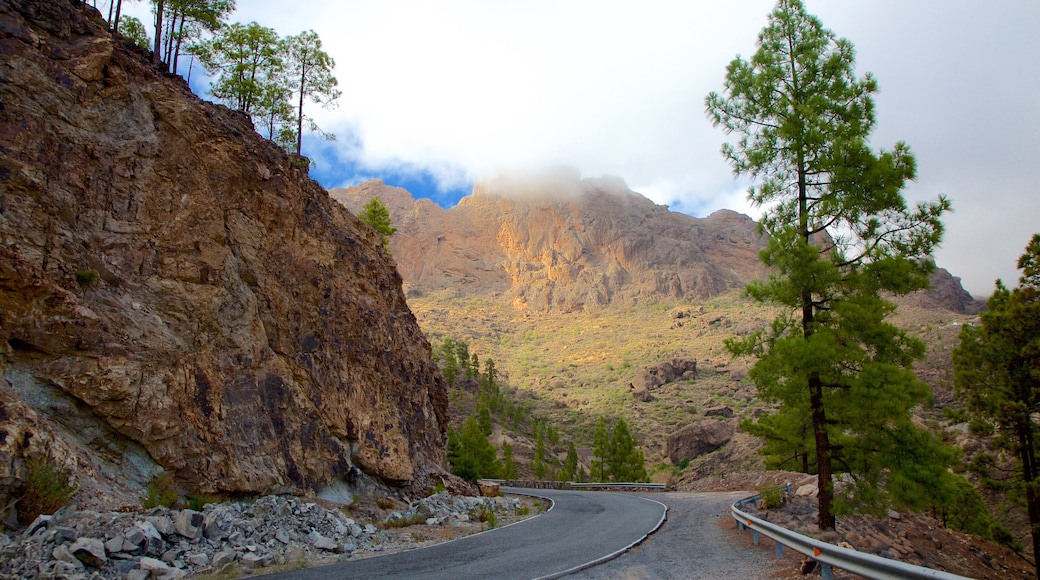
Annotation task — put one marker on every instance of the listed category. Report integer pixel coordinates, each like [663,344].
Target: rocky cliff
[556,242]
[176,293]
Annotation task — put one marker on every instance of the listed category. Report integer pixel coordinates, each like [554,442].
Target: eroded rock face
[175,292]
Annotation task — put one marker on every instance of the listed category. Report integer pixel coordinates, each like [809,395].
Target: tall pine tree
[997,371]
[839,236]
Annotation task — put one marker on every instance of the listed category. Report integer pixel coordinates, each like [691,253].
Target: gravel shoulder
[699,540]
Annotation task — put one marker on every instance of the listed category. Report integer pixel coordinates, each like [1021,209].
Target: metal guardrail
[533,484]
[829,555]
[644,486]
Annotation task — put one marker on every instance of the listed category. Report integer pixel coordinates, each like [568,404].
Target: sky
[439,94]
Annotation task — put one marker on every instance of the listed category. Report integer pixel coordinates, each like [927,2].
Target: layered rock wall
[176,294]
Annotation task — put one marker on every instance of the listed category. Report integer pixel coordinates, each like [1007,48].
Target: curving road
[582,528]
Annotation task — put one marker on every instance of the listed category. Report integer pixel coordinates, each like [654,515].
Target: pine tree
[310,70]
[509,468]
[538,463]
[839,236]
[470,453]
[997,371]
[625,458]
[600,451]
[376,216]
[570,464]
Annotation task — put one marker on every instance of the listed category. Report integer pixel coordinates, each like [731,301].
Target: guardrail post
[825,571]
[754,537]
[779,550]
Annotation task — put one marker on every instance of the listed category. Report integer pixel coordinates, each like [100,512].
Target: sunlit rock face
[556,242]
[176,293]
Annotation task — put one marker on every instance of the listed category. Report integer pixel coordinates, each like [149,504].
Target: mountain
[176,294]
[556,242]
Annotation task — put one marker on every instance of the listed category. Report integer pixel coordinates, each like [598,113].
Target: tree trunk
[119,8]
[177,48]
[299,111]
[1027,455]
[825,478]
[157,52]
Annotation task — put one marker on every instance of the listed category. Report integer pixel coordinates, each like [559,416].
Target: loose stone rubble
[168,544]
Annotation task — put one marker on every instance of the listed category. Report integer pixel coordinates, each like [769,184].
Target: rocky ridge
[228,537]
[177,295]
[556,242]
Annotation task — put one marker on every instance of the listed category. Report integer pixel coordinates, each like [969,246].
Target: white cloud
[464,89]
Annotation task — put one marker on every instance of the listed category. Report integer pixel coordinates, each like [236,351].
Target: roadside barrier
[532,484]
[829,555]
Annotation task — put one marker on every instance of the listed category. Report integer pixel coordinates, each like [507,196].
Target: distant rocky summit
[556,242]
[176,294]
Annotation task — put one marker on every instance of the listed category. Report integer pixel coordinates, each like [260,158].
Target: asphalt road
[583,527]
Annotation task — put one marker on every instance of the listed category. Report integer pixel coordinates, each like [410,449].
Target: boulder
[719,411]
[321,542]
[90,551]
[189,523]
[665,372]
[488,488]
[697,439]
[641,394]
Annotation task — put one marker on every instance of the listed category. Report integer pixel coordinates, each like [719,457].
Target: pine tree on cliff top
[840,235]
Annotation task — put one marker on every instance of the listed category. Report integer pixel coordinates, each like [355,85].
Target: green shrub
[523,510]
[384,503]
[485,514]
[86,277]
[161,492]
[402,522]
[47,490]
[772,496]
[198,501]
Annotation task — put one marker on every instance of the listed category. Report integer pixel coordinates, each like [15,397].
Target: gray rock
[347,548]
[115,545]
[321,542]
[62,569]
[63,554]
[254,560]
[223,558]
[134,535]
[215,529]
[138,574]
[170,556]
[153,542]
[370,529]
[59,517]
[163,524]
[40,523]
[283,536]
[189,524]
[200,560]
[355,530]
[64,533]
[156,567]
[90,551]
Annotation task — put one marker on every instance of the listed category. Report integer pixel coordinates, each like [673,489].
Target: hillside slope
[176,293]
